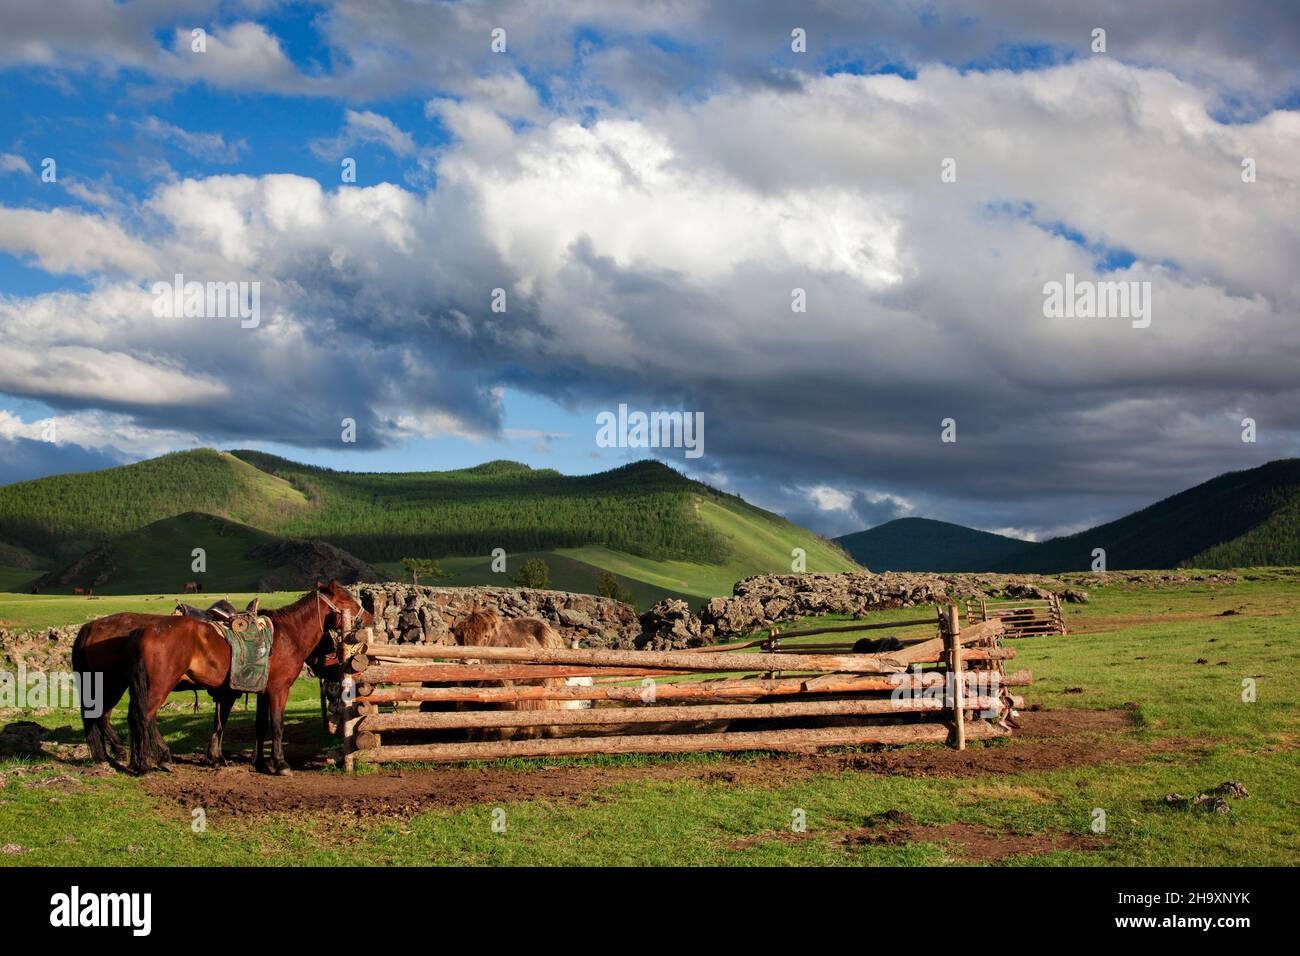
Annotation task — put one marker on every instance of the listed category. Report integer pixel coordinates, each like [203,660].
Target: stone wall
[767,599]
[409,614]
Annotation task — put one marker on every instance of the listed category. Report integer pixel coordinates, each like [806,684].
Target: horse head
[339,601]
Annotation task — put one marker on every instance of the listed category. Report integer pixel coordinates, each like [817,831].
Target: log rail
[951,688]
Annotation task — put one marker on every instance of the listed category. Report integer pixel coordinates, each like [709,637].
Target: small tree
[608,585]
[424,567]
[533,573]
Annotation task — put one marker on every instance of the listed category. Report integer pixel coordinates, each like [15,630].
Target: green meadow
[1176,661]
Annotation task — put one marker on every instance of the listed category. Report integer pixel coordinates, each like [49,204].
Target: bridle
[320,616]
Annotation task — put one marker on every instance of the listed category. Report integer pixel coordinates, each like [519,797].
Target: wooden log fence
[495,702]
[1022,617]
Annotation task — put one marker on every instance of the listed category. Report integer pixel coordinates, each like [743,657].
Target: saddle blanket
[250,653]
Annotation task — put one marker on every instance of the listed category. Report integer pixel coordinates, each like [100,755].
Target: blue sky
[648,191]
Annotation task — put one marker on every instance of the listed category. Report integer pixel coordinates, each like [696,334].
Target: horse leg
[279,766]
[259,762]
[224,701]
[147,696]
[100,735]
[107,732]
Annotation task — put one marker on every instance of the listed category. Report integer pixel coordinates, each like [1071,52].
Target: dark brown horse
[167,651]
[101,648]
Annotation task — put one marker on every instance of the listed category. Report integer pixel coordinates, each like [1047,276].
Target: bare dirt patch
[964,840]
[1045,740]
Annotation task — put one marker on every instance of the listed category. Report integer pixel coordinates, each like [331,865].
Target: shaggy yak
[489,629]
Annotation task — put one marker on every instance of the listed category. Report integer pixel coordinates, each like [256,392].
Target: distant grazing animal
[78,590]
[192,587]
[878,646]
[166,650]
[488,629]
[35,589]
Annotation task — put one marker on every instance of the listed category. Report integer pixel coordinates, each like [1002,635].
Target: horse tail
[91,725]
[142,747]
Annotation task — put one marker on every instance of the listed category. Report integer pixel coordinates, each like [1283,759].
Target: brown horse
[101,648]
[192,587]
[487,629]
[166,650]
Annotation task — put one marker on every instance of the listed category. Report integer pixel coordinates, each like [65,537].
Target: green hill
[663,533]
[1241,519]
[63,516]
[159,558]
[922,544]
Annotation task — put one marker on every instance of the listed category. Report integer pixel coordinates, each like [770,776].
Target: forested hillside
[1240,519]
[922,544]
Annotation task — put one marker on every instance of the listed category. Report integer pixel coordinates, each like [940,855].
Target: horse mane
[292,612]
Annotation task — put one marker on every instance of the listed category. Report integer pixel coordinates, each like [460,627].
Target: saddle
[250,636]
[220,613]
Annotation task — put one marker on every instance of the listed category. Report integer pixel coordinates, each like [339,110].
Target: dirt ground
[965,841]
[1046,740]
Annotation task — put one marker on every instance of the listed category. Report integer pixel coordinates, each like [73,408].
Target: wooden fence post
[347,721]
[953,636]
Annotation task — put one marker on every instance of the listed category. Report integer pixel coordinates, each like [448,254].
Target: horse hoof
[261,767]
[283,771]
[165,767]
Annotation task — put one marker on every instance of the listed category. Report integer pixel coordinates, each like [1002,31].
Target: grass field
[1130,653]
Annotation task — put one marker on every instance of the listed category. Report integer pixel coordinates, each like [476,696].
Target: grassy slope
[760,542]
[1185,526]
[158,556]
[567,574]
[923,544]
[18,579]
[1211,736]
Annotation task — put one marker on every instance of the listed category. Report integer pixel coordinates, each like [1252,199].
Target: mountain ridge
[642,521]
[925,544]
[1245,518]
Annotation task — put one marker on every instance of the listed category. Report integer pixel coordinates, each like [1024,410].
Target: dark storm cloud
[25,458]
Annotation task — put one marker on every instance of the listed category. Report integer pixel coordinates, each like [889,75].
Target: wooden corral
[1023,618]
[950,687]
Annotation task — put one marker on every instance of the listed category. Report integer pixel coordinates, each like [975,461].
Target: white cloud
[827,498]
[655,255]
[11,163]
[62,241]
[210,146]
[366,127]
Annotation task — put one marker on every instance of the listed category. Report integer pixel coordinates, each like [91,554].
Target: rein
[320,616]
